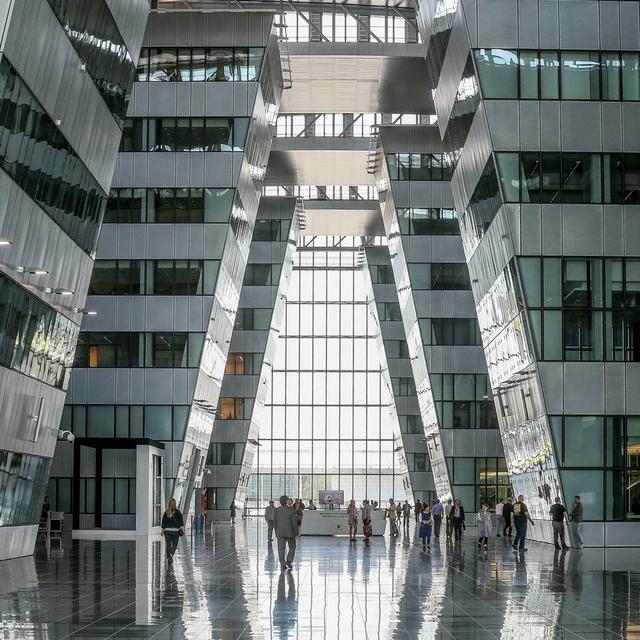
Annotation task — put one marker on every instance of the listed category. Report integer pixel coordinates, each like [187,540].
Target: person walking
[391,514]
[398,512]
[298,505]
[406,514]
[269,514]
[366,521]
[417,509]
[520,517]
[245,510]
[456,515]
[286,526]
[507,512]
[232,512]
[171,528]
[576,523]
[437,512]
[447,516]
[558,516]
[499,512]
[352,514]
[483,518]
[426,523]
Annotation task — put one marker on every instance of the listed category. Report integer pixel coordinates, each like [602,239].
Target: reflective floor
[228,585]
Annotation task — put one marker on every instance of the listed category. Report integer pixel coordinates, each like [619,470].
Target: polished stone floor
[228,585]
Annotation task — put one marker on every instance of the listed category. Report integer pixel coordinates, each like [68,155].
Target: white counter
[335,523]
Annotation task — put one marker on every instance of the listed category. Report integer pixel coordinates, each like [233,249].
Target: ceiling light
[36,271]
[5,243]
[85,312]
[60,292]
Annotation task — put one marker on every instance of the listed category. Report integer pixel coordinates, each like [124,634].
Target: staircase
[372,155]
[301,216]
[280,26]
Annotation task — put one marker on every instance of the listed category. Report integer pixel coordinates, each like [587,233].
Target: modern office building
[66,72]
[537,106]
[324,268]
[171,260]
[380,249]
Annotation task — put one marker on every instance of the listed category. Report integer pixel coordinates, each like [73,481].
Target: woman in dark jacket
[172,528]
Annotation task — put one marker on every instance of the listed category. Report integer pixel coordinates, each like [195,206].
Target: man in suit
[284,522]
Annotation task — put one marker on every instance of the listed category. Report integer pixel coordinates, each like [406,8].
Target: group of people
[286,520]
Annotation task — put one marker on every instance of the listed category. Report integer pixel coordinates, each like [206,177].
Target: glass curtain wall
[328,423]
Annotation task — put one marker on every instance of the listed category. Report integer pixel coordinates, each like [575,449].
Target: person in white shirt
[499,510]
[269,515]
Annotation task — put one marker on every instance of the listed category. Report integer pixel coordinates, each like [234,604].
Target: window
[593,299]
[463,401]
[419,166]
[498,71]
[570,177]
[553,75]
[243,363]
[449,276]
[262,275]
[231,409]
[154,277]
[428,222]
[184,134]
[184,64]
[132,350]
[450,331]
[326,422]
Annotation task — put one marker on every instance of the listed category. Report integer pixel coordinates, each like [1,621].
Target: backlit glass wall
[328,424]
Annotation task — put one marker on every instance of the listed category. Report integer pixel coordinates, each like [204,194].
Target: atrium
[373,256]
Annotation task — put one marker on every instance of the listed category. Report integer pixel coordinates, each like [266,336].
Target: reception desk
[335,522]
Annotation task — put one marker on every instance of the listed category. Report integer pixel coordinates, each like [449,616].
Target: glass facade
[34,339]
[95,36]
[419,166]
[184,134]
[39,159]
[559,75]
[583,309]
[570,178]
[23,479]
[154,277]
[190,64]
[600,458]
[168,205]
[167,349]
[327,423]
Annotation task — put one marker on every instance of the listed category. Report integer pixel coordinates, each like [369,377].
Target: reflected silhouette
[557,583]
[270,559]
[285,607]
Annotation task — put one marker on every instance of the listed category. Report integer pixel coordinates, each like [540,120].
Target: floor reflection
[227,584]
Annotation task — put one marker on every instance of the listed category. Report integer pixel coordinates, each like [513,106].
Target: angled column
[63,104]
[251,353]
[419,201]
[540,125]
[172,258]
